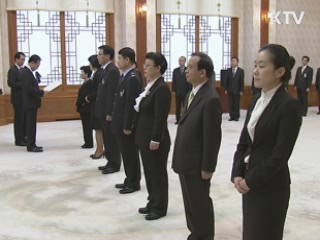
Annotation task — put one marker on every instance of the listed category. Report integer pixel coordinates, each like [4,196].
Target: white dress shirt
[144,94]
[260,106]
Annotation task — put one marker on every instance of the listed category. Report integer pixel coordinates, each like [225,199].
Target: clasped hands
[241,185]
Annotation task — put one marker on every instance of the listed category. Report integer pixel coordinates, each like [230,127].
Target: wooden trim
[110,35]
[141,36]
[63,50]
[12,34]
[158,27]
[234,37]
[264,32]
[197,38]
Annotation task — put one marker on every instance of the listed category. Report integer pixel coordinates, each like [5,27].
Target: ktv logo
[286,17]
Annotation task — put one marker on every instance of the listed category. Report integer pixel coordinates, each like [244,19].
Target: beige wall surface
[300,39]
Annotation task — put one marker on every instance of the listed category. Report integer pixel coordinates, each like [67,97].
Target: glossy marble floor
[60,195]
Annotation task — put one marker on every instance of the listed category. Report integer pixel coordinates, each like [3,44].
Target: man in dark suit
[318,88]
[234,88]
[129,88]
[180,86]
[15,82]
[197,146]
[32,95]
[84,107]
[302,83]
[104,107]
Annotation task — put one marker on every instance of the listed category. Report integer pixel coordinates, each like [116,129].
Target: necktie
[191,96]
[233,71]
[302,69]
[121,79]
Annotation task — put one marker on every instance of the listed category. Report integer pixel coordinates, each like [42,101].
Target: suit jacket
[153,113]
[15,82]
[106,90]
[318,81]
[235,84]
[179,83]
[97,77]
[86,89]
[303,80]
[31,92]
[123,109]
[198,137]
[275,135]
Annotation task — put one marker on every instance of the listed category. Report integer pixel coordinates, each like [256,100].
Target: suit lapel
[195,101]
[268,112]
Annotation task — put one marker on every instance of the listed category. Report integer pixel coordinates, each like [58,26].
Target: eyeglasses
[147,65]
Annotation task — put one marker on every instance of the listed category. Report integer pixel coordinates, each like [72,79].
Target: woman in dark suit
[260,168]
[152,135]
[96,123]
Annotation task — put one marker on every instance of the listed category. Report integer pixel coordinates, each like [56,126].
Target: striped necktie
[191,96]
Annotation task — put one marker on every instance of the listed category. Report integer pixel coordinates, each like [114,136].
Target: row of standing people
[260,167]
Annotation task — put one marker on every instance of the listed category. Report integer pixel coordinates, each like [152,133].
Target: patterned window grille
[180,40]
[177,39]
[84,34]
[215,41]
[40,34]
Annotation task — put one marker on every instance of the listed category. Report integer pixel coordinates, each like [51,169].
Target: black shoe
[153,216]
[87,146]
[177,122]
[230,119]
[35,149]
[109,170]
[128,190]
[120,186]
[318,113]
[103,167]
[144,210]
[94,157]
[237,119]
[21,144]
[39,147]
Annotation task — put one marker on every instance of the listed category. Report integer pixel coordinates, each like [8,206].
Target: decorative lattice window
[215,40]
[39,33]
[177,39]
[84,33]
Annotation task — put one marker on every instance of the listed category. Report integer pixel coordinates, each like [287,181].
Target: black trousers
[155,171]
[303,99]
[234,106]
[111,147]
[31,127]
[86,120]
[19,124]
[198,207]
[264,213]
[131,161]
[180,102]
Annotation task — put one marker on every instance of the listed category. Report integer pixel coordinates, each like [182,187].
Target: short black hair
[86,70]
[159,60]
[128,53]
[280,58]
[308,59]
[17,55]
[205,63]
[93,60]
[34,58]
[236,58]
[107,50]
